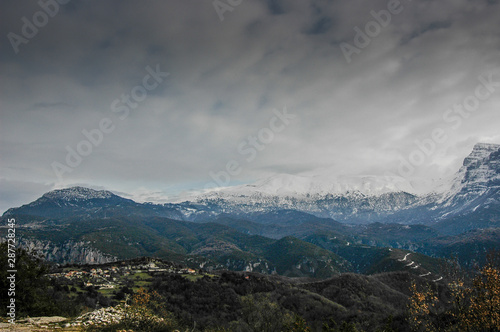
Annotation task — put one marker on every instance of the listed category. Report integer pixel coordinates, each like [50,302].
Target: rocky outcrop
[480,152]
[352,207]
[67,252]
[476,184]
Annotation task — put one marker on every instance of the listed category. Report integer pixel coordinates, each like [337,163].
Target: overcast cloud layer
[227,79]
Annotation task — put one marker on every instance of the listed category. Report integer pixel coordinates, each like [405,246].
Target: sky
[158,99]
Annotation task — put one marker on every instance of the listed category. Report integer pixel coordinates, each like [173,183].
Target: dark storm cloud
[225,79]
[276,7]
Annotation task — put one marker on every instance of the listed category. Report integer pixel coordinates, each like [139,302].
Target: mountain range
[289,225]
[366,199]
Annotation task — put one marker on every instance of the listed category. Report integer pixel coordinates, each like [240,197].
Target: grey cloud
[15,193]
[225,80]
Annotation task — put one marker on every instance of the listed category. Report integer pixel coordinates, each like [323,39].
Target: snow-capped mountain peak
[368,198]
[476,167]
[297,185]
[480,152]
[479,176]
[78,194]
[353,198]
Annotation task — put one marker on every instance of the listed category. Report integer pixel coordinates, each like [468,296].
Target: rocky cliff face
[67,252]
[480,152]
[476,185]
[353,207]
[362,199]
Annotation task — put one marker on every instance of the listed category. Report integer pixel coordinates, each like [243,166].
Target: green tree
[260,314]
[299,324]
[31,284]
[332,326]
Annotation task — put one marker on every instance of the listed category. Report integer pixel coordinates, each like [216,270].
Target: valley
[350,255]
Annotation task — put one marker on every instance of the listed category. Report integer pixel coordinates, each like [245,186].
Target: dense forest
[237,301]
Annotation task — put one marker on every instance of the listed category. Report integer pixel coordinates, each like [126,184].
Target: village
[109,281]
[119,274]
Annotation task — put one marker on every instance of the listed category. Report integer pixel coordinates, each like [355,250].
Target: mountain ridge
[81,223]
[476,184]
[476,187]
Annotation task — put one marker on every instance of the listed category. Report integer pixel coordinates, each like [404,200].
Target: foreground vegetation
[473,307]
[230,301]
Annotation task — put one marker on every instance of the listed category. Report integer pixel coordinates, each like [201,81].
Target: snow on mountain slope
[70,202]
[477,179]
[78,194]
[358,199]
[296,186]
[480,152]
[473,195]
[362,199]
[352,199]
